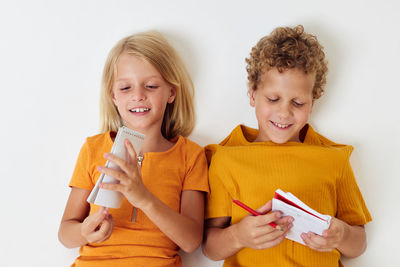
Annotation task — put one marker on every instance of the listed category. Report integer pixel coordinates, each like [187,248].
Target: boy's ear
[252,100]
[172,95]
[312,105]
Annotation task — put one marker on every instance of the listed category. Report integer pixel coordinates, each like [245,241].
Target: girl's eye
[125,88]
[152,86]
[272,99]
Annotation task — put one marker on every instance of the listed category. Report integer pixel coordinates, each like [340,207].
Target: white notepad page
[108,198]
[303,220]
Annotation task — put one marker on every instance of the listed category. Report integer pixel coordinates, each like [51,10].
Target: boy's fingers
[271,237]
[266,208]
[285,220]
[268,218]
[315,241]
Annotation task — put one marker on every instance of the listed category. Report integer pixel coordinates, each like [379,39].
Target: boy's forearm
[220,243]
[70,235]
[354,241]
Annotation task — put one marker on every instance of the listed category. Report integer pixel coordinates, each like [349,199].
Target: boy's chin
[281,141]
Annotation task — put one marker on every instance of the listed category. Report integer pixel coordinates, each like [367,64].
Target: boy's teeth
[139,109]
[281,125]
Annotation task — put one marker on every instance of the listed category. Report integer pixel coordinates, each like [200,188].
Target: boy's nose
[284,111]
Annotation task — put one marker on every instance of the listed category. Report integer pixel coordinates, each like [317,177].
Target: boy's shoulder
[243,136]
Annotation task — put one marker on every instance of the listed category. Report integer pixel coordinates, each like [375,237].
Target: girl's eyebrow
[123,79]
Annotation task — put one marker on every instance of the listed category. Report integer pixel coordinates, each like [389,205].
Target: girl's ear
[113,98]
[172,95]
[252,100]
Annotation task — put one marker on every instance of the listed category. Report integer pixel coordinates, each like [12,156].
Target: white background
[51,58]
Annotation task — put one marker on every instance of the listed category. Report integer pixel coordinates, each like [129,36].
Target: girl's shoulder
[99,141]
[188,145]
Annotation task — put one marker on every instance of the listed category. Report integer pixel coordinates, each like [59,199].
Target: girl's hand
[330,239]
[98,226]
[131,184]
[255,231]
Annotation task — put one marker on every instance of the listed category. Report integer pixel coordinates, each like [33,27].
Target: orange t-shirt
[166,174]
[316,171]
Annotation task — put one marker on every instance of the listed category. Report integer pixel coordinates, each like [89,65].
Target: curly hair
[287,48]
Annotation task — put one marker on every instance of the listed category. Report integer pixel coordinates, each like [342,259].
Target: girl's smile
[141,94]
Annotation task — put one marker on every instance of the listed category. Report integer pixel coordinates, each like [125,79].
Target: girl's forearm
[186,232]
[70,235]
[354,241]
[220,243]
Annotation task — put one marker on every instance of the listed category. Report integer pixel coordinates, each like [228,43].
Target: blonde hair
[179,117]
[287,48]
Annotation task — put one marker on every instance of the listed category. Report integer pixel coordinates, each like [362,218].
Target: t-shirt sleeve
[351,205]
[196,177]
[219,201]
[81,175]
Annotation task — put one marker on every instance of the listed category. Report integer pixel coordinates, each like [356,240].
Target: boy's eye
[298,104]
[270,99]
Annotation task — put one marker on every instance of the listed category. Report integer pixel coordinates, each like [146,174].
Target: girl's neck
[155,142]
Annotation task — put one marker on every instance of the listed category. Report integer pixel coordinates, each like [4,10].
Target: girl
[146,87]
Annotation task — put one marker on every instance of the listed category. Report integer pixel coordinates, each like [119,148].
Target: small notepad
[305,218]
[108,198]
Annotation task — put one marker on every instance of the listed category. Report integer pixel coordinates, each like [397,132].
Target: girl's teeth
[139,109]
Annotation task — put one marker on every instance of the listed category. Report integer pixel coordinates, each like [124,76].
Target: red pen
[255,213]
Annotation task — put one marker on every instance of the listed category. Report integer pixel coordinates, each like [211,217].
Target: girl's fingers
[125,166]
[112,187]
[119,162]
[91,223]
[120,176]
[130,151]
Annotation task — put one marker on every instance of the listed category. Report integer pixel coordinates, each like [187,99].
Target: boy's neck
[300,136]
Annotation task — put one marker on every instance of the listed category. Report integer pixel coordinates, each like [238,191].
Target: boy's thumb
[266,208]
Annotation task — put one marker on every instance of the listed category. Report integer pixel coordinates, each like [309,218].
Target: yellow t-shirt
[316,171]
[166,174]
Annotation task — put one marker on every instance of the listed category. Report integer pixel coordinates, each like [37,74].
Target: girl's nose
[138,94]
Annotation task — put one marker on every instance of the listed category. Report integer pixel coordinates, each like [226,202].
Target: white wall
[52,54]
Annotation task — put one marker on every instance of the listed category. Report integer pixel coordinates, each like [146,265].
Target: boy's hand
[129,176]
[98,226]
[330,238]
[255,231]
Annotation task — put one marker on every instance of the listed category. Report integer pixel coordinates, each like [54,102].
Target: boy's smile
[283,103]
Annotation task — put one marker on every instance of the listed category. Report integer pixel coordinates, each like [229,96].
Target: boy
[286,73]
